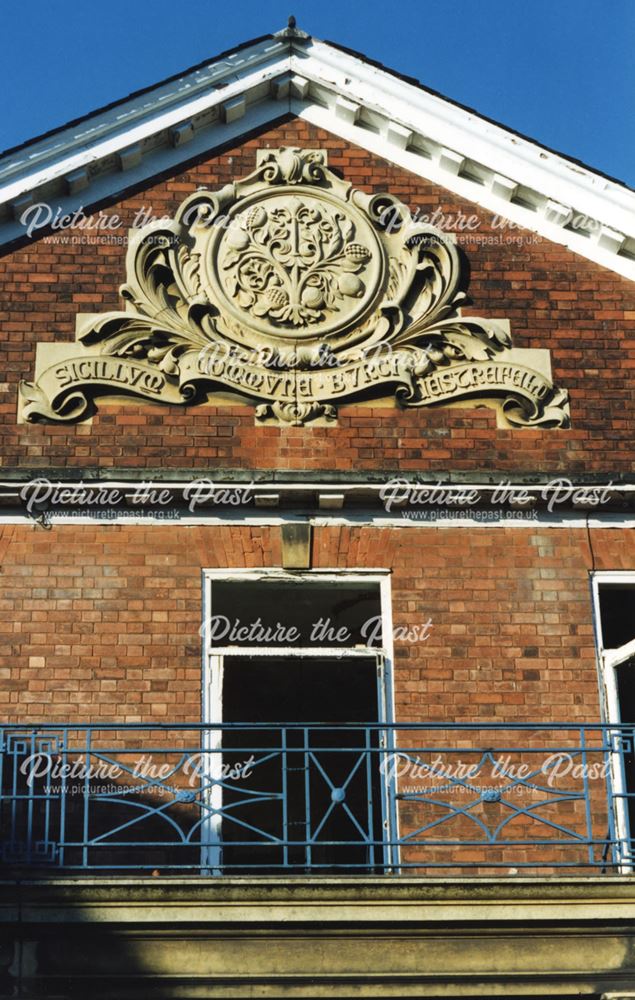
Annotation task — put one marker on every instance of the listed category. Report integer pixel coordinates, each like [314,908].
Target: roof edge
[133,95]
[217,101]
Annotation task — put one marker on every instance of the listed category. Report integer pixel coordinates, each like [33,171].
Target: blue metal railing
[266,798]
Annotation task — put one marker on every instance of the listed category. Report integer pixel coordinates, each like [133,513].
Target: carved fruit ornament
[297,292]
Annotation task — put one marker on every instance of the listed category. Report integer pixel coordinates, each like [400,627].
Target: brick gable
[583,313]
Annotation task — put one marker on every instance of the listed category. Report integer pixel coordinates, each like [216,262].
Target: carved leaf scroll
[298,292]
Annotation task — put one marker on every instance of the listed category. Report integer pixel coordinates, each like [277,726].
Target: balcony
[320,799]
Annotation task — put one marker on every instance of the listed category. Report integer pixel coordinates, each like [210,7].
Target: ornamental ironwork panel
[268,797]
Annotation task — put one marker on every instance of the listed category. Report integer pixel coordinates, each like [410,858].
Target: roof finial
[292,30]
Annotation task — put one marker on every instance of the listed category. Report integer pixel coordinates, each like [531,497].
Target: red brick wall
[554,299]
[102,623]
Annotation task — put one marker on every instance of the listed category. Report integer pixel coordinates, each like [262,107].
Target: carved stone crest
[297,292]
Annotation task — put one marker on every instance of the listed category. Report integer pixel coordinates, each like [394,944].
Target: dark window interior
[626,693]
[293,689]
[304,765]
[352,607]
[626,690]
[617,614]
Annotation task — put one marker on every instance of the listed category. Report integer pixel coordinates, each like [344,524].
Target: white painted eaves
[205,109]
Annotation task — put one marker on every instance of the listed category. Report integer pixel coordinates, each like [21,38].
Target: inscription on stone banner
[299,293]
[104,370]
[468,377]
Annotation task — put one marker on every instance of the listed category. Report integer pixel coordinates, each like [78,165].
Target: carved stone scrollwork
[297,292]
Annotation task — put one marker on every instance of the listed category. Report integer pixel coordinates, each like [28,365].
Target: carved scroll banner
[295,292]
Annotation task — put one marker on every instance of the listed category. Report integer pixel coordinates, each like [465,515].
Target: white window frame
[607,661]
[212,686]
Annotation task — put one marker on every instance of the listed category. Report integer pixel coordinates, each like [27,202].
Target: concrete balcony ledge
[360,898]
[391,936]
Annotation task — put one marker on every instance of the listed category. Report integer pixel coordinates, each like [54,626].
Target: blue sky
[560,71]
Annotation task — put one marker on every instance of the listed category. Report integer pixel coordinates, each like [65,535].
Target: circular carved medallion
[293,265]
